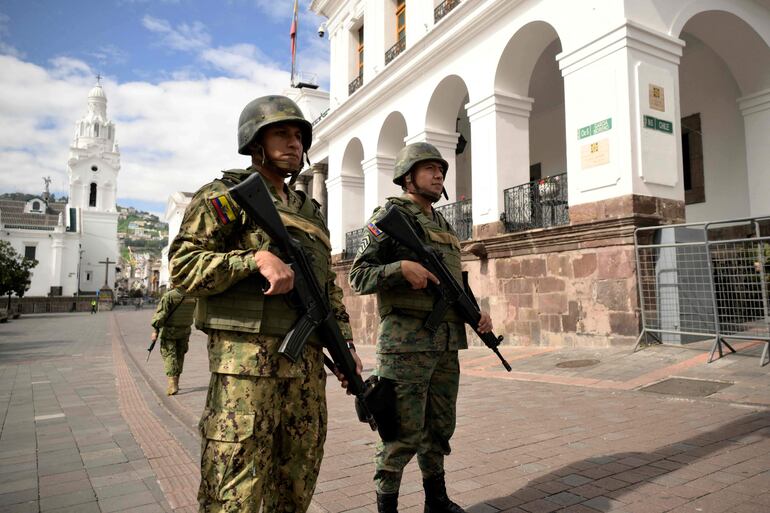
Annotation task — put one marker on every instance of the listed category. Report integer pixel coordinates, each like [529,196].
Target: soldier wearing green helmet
[264,423]
[423,371]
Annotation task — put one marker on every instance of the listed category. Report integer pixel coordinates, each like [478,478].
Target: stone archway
[724,94]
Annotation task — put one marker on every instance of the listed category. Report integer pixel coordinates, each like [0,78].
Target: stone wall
[572,285]
[36,304]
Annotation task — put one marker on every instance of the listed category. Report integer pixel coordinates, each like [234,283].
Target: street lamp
[80,257]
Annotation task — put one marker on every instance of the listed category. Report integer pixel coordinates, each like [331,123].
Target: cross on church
[107,264]
[98,81]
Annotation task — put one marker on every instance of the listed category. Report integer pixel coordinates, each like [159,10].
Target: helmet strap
[420,191]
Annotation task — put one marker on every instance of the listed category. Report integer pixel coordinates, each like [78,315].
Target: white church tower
[92,169]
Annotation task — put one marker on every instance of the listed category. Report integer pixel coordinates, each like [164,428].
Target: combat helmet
[265,111]
[412,154]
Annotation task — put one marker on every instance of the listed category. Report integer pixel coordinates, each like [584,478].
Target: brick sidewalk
[545,439]
[82,431]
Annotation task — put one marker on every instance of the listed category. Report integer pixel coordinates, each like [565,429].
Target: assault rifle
[254,198]
[448,292]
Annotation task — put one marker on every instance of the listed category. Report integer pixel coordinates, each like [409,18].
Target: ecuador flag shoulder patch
[224,209]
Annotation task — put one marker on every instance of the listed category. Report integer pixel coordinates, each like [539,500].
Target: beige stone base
[572,285]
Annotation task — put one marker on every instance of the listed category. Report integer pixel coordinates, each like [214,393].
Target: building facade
[72,242]
[566,125]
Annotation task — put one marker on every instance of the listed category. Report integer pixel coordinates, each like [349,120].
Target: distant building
[71,241]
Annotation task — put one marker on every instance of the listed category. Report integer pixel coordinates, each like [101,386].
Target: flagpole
[293,35]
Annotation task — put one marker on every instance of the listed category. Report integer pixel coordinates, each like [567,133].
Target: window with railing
[460,217]
[361,51]
[352,242]
[443,9]
[541,203]
[400,45]
[355,84]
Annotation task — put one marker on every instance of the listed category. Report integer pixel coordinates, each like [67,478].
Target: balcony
[352,242]
[538,204]
[395,50]
[443,9]
[460,217]
[355,84]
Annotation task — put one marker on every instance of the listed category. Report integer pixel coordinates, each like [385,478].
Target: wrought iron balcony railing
[355,84]
[352,241]
[459,215]
[395,50]
[320,117]
[538,204]
[443,9]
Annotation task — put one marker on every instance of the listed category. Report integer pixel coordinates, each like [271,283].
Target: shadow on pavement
[603,482]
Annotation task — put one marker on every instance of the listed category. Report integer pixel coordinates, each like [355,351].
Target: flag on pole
[293,35]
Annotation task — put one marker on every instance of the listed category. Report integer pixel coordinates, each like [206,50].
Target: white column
[756,118]
[614,150]
[500,158]
[57,247]
[319,186]
[346,196]
[378,182]
[445,143]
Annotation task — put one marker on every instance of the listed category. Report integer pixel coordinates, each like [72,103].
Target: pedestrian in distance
[264,423]
[93,306]
[171,323]
[421,369]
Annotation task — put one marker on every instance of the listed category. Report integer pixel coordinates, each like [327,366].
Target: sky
[176,74]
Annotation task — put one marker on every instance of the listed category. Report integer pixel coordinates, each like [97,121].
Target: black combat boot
[436,500]
[387,502]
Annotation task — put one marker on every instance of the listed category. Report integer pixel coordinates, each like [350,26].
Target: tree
[15,272]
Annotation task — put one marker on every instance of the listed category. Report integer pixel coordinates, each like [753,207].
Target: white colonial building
[76,239]
[566,124]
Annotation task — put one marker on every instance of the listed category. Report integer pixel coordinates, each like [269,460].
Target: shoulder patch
[364,244]
[224,209]
[373,228]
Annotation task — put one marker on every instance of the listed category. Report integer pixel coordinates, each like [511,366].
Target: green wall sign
[596,128]
[660,125]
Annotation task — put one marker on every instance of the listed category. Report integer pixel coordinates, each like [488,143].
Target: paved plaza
[86,427]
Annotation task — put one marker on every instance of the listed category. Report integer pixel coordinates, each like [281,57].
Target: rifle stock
[254,198]
[448,292]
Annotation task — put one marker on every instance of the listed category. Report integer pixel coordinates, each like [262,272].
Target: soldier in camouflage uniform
[423,370]
[264,424]
[171,323]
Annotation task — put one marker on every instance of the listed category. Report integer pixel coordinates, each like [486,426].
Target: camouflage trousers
[426,385]
[262,442]
[173,350]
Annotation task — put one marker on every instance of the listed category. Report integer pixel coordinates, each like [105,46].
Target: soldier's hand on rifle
[276,272]
[485,323]
[359,368]
[154,336]
[416,274]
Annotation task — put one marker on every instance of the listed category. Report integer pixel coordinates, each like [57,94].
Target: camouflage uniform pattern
[172,321]
[264,422]
[425,370]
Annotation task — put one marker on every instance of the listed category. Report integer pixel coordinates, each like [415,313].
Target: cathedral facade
[75,244]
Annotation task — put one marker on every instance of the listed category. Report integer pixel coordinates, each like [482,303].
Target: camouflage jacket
[213,253]
[377,269]
[174,315]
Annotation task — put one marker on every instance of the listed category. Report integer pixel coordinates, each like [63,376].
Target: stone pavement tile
[65,487]
[102,458]
[147,508]
[747,507]
[606,504]
[113,479]
[116,490]
[540,506]
[88,507]
[27,507]
[58,467]
[67,499]
[19,485]
[8,499]
[121,502]
[565,498]
[73,475]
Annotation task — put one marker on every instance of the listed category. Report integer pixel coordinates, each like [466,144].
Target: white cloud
[5,48]
[175,135]
[183,37]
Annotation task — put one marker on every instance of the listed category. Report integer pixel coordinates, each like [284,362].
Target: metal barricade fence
[701,281]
